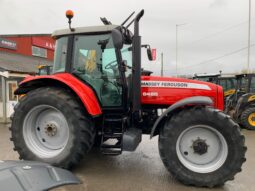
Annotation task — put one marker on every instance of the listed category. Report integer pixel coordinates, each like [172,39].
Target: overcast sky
[215,36]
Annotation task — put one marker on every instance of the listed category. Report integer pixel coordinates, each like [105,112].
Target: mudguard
[83,91]
[31,176]
[196,100]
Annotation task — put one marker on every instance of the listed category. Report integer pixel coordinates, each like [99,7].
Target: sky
[212,34]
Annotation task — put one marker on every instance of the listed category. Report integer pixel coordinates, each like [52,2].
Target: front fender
[83,91]
[196,100]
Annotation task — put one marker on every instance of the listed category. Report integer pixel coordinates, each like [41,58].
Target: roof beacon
[69,15]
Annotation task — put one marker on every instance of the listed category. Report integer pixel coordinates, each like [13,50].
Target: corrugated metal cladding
[22,44]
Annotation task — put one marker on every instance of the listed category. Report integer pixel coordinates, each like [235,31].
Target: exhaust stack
[136,77]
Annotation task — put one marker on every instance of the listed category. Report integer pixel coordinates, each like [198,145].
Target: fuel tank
[166,91]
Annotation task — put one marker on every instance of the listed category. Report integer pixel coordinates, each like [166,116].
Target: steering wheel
[111,65]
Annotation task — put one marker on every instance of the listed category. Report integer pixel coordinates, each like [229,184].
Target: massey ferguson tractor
[97,96]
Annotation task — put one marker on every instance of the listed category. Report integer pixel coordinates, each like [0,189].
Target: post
[249,38]
[4,99]
[162,65]
[176,69]
[177,25]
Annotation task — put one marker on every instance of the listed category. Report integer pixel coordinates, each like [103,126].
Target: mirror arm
[145,46]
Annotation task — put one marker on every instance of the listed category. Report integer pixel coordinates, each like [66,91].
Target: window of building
[40,52]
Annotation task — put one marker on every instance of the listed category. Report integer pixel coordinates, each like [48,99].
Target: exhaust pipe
[136,77]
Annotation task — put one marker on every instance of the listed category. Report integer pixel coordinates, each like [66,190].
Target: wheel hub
[251,119]
[46,131]
[193,151]
[51,129]
[199,146]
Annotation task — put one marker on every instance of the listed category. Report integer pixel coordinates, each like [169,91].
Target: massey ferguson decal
[174,84]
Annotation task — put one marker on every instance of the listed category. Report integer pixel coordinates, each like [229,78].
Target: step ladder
[112,135]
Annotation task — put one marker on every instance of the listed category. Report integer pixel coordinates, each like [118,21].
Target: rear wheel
[202,147]
[49,125]
[248,118]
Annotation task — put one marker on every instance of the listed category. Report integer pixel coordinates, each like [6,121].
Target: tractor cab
[96,61]
[106,58]
[228,84]
[213,78]
[245,83]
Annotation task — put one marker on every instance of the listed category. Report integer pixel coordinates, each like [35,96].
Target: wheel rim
[251,119]
[46,131]
[202,149]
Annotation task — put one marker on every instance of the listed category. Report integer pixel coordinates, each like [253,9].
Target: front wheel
[248,118]
[202,147]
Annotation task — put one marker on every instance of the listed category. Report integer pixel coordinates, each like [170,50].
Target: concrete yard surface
[139,170]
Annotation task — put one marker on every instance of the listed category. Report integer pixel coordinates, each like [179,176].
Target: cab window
[60,55]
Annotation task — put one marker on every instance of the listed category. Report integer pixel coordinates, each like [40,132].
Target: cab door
[95,62]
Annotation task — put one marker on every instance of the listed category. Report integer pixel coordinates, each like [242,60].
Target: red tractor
[97,95]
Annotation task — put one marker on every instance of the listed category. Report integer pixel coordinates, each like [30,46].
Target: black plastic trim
[196,100]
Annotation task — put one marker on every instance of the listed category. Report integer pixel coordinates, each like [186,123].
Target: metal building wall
[25,43]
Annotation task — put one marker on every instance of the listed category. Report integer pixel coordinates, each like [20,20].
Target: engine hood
[168,90]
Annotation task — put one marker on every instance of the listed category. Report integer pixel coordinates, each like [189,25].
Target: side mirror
[149,53]
[117,39]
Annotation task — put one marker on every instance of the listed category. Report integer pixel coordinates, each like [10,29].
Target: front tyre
[202,147]
[49,125]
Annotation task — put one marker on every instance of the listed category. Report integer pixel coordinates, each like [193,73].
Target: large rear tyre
[248,118]
[202,147]
[49,125]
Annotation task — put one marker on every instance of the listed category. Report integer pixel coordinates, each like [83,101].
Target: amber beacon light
[69,15]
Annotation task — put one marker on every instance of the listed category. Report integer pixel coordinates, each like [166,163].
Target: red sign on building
[43,43]
[154,53]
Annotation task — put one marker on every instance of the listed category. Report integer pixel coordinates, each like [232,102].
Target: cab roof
[244,75]
[81,30]
[207,75]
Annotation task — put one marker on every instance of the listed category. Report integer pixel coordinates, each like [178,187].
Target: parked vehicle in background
[241,105]
[44,70]
[228,82]
[213,78]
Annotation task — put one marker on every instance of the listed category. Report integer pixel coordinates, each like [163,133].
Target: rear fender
[196,100]
[65,80]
